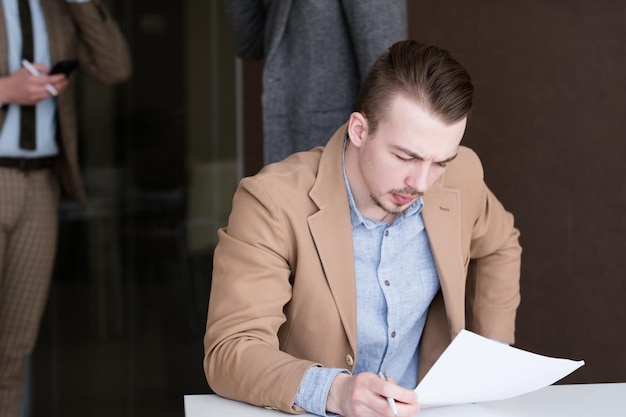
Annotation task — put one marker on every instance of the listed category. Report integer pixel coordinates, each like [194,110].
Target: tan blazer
[283,292]
[87,32]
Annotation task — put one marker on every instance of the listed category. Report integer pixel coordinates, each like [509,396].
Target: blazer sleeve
[493,290]
[103,51]
[250,288]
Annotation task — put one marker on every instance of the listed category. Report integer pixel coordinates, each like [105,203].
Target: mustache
[407,191]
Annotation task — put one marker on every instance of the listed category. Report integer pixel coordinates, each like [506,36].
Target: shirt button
[349,360]
[387,282]
[386,232]
[393,334]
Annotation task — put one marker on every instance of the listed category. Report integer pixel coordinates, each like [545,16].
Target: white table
[583,400]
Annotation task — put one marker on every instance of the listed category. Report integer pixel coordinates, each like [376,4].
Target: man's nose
[418,177]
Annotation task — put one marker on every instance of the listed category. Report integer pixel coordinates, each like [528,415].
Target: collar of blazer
[331,229]
[442,219]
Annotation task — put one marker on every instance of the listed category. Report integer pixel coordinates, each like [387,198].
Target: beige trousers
[28,236]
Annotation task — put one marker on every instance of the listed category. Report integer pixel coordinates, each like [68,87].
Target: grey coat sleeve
[374,26]
[247,20]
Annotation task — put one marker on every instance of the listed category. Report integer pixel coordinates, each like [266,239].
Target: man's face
[390,169]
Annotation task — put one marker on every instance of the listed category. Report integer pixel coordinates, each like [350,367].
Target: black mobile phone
[64,67]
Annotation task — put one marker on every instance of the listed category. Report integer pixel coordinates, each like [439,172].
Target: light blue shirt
[45,109]
[396,280]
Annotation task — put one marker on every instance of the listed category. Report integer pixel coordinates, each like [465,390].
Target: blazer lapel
[4,46]
[4,58]
[53,34]
[332,233]
[442,219]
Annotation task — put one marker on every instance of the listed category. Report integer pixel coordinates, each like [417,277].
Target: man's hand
[365,395]
[26,89]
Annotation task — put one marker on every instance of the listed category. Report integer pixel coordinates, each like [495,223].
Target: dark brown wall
[549,124]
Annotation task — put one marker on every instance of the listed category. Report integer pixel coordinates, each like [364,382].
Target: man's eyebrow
[445,161]
[417,156]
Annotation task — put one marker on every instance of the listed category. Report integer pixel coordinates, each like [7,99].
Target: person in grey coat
[317,53]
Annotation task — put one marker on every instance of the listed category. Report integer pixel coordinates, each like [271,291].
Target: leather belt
[28,164]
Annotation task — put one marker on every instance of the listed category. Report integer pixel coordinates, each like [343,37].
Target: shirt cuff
[313,392]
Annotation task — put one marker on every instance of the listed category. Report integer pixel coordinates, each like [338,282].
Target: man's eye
[442,164]
[403,159]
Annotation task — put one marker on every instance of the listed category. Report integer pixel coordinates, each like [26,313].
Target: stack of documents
[475,369]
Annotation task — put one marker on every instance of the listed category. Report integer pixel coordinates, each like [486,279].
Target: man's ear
[357,129]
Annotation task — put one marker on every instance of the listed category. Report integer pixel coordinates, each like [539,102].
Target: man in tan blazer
[60,30]
[366,255]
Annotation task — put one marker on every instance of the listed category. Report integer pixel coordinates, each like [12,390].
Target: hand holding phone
[64,67]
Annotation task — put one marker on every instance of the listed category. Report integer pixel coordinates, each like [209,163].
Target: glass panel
[122,334]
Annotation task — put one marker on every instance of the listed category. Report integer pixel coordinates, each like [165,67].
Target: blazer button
[349,360]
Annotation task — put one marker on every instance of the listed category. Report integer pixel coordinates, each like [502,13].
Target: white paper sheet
[474,369]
